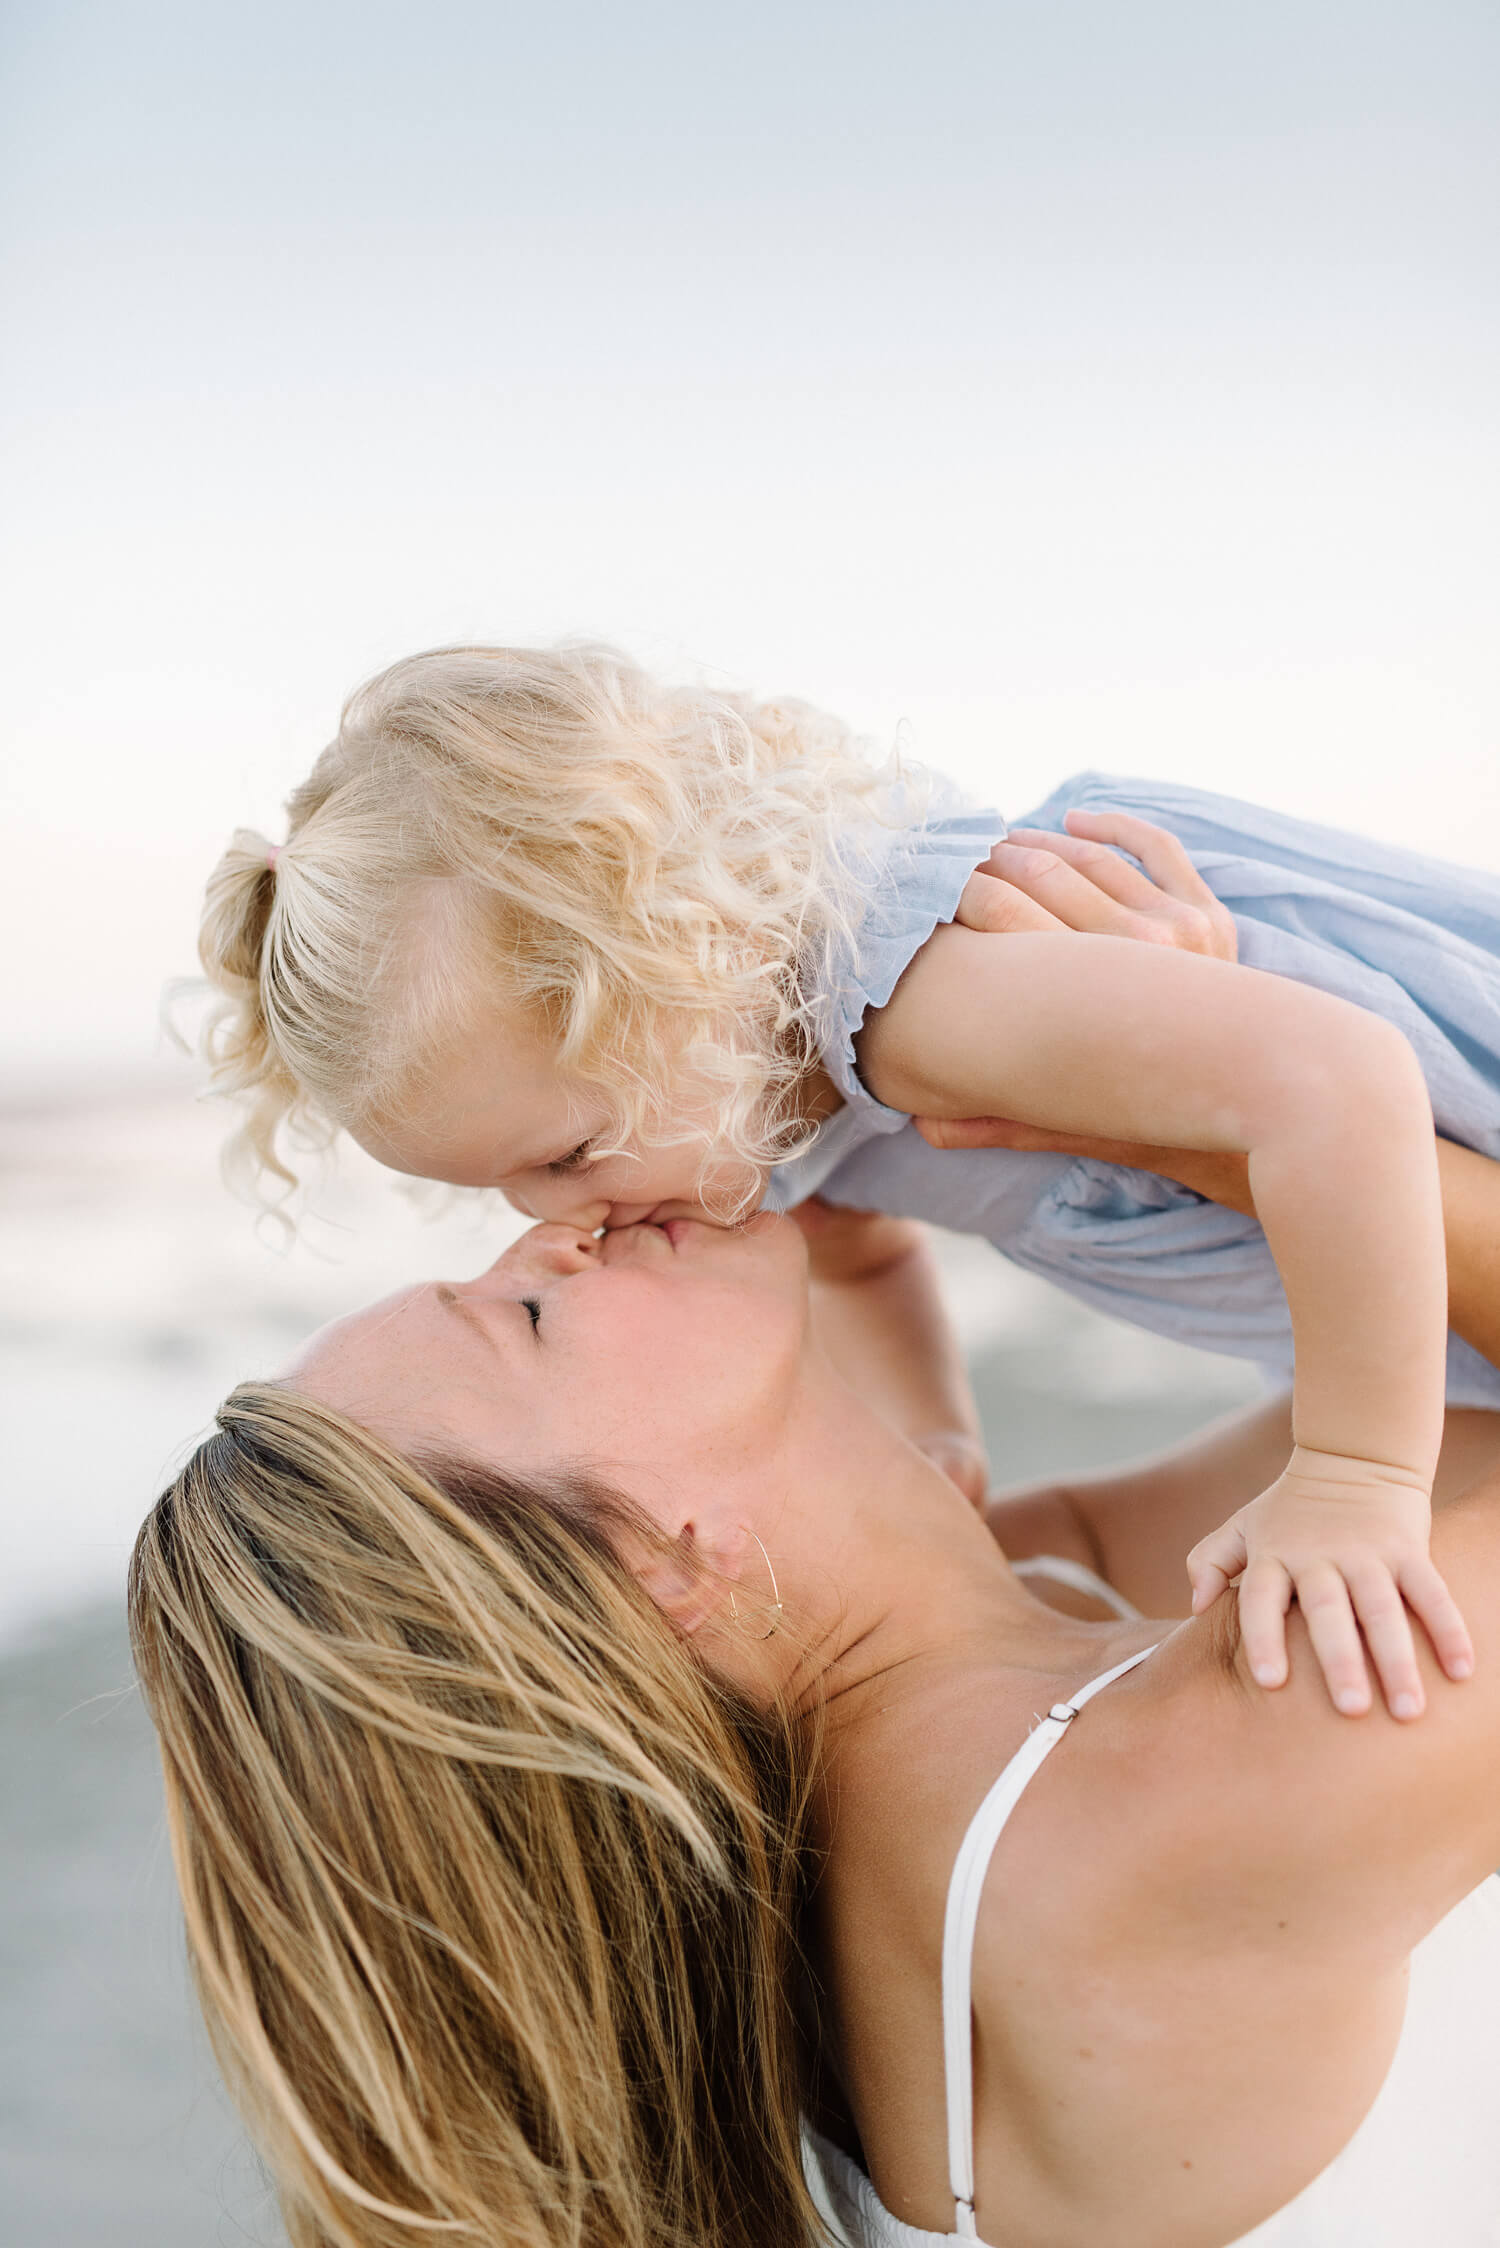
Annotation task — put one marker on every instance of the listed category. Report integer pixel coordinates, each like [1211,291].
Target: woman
[489,1653]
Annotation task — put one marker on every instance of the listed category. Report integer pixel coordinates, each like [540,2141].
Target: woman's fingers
[1165,860]
[1102,868]
[1037,880]
[1072,882]
[1001,907]
[993,1131]
[1221,1178]
[962,1459]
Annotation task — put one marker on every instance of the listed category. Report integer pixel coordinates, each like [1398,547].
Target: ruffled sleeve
[912,879]
[915,887]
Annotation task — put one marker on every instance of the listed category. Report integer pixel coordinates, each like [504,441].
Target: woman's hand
[1037,880]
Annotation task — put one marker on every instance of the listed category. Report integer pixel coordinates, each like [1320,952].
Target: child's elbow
[1393,1064]
[1380,1070]
[1337,1064]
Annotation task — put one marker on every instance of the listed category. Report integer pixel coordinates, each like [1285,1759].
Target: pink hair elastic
[272,856]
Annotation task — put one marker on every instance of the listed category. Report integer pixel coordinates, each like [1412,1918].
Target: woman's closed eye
[533,1306]
[577,1159]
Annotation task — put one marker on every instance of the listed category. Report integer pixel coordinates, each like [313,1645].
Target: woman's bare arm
[1470,1186]
[1133,1524]
[1471,1222]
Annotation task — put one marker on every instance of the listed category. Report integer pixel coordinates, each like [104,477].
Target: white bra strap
[1078,1579]
[961,1920]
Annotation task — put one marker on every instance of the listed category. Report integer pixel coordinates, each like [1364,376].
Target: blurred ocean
[135,1291]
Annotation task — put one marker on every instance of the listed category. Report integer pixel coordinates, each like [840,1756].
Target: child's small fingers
[1329,1611]
[1383,1620]
[1209,1583]
[1426,1593]
[1223,1549]
[1265,1596]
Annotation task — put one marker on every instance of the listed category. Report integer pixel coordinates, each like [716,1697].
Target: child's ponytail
[234,947]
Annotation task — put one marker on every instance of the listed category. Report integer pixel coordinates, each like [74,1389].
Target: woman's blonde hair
[656,874]
[490,1888]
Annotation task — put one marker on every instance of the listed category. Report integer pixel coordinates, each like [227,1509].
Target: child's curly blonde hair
[659,875]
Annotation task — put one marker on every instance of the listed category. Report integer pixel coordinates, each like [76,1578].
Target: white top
[1424,2164]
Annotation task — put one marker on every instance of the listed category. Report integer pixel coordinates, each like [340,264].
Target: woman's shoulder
[1182,1961]
[1192,1943]
[1189,1802]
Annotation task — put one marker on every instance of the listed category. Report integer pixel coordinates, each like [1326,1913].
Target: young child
[630,950]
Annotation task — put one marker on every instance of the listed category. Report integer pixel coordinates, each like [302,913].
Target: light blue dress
[1412,939]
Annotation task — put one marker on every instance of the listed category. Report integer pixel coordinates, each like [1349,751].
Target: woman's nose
[550,1248]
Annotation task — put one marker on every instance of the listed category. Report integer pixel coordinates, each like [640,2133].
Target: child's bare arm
[1097,1035]
[880,1315]
[875,1286]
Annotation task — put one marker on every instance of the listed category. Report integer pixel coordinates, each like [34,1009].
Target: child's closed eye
[577,1159]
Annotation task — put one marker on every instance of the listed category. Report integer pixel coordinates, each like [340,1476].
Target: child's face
[498,1112]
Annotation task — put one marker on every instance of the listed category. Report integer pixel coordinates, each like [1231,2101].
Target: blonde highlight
[491,1890]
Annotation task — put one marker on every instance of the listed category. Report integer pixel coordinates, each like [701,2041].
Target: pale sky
[1110,383]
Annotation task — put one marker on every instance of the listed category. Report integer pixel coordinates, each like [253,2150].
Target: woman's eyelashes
[577,1159]
[533,1306]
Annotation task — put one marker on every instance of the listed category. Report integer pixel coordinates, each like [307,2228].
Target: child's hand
[1348,1540]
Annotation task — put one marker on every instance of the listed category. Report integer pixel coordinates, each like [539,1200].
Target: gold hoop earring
[776,1600]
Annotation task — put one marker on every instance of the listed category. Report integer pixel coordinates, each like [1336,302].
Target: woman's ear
[692,1578]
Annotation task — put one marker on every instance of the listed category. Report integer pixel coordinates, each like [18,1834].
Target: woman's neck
[889,1577]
